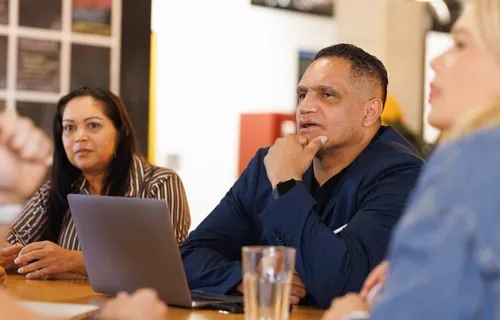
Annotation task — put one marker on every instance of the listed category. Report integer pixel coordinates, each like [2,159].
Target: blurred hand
[377,276]
[40,259]
[143,304]
[299,290]
[8,253]
[24,154]
[346,305]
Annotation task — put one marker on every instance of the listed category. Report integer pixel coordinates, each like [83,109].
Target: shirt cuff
[232,281]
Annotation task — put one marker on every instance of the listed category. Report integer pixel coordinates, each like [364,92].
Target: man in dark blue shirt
[334,191]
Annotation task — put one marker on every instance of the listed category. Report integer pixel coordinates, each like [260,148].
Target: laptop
[129,243]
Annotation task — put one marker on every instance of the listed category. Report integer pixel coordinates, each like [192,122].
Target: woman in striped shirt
[95,152]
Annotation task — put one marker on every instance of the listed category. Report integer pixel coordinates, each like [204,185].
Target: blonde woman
[445,253]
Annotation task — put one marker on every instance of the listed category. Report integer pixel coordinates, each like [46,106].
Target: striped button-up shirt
[145,181]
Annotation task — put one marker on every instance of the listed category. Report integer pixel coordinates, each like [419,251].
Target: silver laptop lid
[129,243]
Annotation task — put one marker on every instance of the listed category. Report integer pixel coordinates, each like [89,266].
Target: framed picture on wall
[92,17]
[4,11]
[38,65]
[46,14]
[81,57]
[319,7]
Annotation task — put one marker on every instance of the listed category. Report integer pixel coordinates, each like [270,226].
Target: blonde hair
[488,20]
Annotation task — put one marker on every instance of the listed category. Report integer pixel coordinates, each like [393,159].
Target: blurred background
[208,82]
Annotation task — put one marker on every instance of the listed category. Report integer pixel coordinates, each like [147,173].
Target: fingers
[294,300]
[298,291]
[21,134]
[122,295]
[297,281]
[146,293]
[11,250]
[303,141]
[32,267]
[37,147]
[8,121]
[8,261]
[34,246]
[370,282]
[38,274]
[24,128]
[375,277]
[316,144]
[30,256]
[31,150]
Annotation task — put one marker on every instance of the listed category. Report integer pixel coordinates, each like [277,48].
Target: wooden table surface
[79,291]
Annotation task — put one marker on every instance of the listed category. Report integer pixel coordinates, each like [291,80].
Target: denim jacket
[445,253]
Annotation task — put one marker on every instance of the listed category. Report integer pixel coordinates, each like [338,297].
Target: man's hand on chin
[290,157]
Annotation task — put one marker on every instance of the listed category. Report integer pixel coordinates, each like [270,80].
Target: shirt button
[276,231]
[281,238]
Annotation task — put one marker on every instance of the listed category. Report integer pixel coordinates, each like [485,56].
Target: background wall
[211,67]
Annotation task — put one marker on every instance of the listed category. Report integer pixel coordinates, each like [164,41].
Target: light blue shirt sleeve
[445,253]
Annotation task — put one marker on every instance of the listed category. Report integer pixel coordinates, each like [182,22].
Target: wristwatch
[285,186]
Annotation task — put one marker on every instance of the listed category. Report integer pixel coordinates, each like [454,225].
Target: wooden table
[79,291]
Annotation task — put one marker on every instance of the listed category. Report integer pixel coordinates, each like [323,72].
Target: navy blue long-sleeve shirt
[369,196]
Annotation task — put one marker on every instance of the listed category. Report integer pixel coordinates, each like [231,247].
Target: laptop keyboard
[206,296]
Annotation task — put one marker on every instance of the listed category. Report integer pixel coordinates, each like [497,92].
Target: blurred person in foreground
[443,260]
[95,152]
[24,152]
[333,191]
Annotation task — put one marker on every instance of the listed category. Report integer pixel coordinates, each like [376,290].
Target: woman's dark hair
[64,174]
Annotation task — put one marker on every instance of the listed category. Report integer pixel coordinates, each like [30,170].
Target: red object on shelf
[260,130]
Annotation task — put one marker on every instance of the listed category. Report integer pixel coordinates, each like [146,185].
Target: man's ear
[373,111]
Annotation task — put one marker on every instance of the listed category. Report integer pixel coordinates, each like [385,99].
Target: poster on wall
[92,17]
[4,11]
[38,65]
[319,7]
